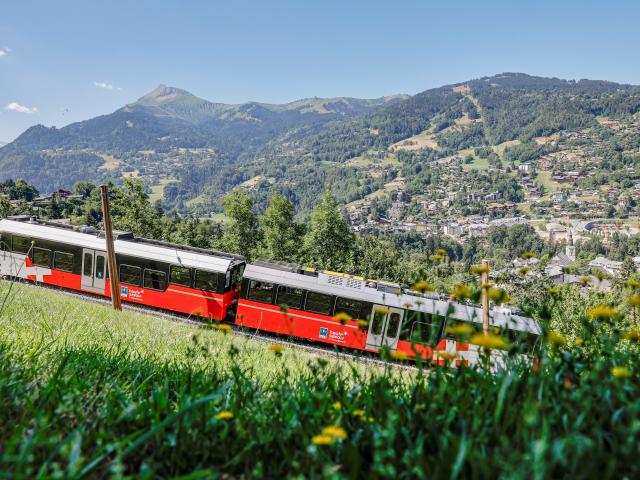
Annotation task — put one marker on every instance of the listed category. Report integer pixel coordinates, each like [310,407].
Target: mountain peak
[163,94]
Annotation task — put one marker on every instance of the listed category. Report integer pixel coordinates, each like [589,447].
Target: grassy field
[88,393]
[544,177]
[66,322]
[157,191]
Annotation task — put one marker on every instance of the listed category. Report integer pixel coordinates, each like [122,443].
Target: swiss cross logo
[324,332]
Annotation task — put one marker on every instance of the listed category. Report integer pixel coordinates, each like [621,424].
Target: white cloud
[16,107]
[108,86]
[3,53]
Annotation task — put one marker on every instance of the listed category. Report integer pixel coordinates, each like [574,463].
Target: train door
[94,270]
[384,328]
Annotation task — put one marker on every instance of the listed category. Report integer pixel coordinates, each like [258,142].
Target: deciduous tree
[329,243]
[241,232]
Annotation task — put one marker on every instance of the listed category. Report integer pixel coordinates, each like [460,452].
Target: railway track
[265,337]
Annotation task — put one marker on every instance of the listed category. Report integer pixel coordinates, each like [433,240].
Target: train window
[319,303]
[180,276]
[155,280]
[130,275]
[100,261]
[63,261]
[353,308]
[42,257]
[5,240]
[236,275]
[378,321]
[289,296]
[422,333]
[21,244]
[412,316]
[87,269]
[260,291]
[393,324]
[207,281]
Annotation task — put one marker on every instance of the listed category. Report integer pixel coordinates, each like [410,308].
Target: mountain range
[193,150]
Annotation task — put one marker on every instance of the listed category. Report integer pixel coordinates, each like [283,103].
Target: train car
[158,274]
[361,314]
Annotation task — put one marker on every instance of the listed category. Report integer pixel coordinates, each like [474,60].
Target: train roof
[125,243]
[383,293]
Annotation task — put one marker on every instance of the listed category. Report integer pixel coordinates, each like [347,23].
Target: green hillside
[306,146]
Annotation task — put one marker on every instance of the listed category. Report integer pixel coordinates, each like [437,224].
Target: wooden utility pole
[485,296]
[111,253]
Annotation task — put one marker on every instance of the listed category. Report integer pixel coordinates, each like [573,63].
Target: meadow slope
[85,393]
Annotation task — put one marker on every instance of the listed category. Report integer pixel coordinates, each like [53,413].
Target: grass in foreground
[46,322]
[113,399]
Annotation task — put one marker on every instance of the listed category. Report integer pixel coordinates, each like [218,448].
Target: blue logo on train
[324,332]
[124,292]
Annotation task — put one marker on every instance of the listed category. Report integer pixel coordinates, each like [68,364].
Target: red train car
[361,314]
[158,274]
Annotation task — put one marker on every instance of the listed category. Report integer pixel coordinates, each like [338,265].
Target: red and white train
[319,306]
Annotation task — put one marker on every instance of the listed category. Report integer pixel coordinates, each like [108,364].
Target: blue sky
[65,61]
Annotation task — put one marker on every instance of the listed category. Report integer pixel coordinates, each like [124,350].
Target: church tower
[570,249]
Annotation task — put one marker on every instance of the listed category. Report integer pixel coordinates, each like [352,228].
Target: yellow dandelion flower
[489,341]
[461,330]
[600,275]
[342,317]
[437,258]
[462,291]
[621,372]
[555,338]
[225,415]
[579,341]
[498,295]
[335,432]
[633,284]
[277,349]
[398,355]
[553,291]
[423,286]
[445,356]
[528,255]
[441,251]
[601,312]
[371,420]
[382,311]
[478,269]
[634,300]
[363,324]
[633,334]
[585,280]
[322,440]
[337,405]
[358,413]
[224,328]
[524,270]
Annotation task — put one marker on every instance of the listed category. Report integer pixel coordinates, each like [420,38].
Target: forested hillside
[193,151]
